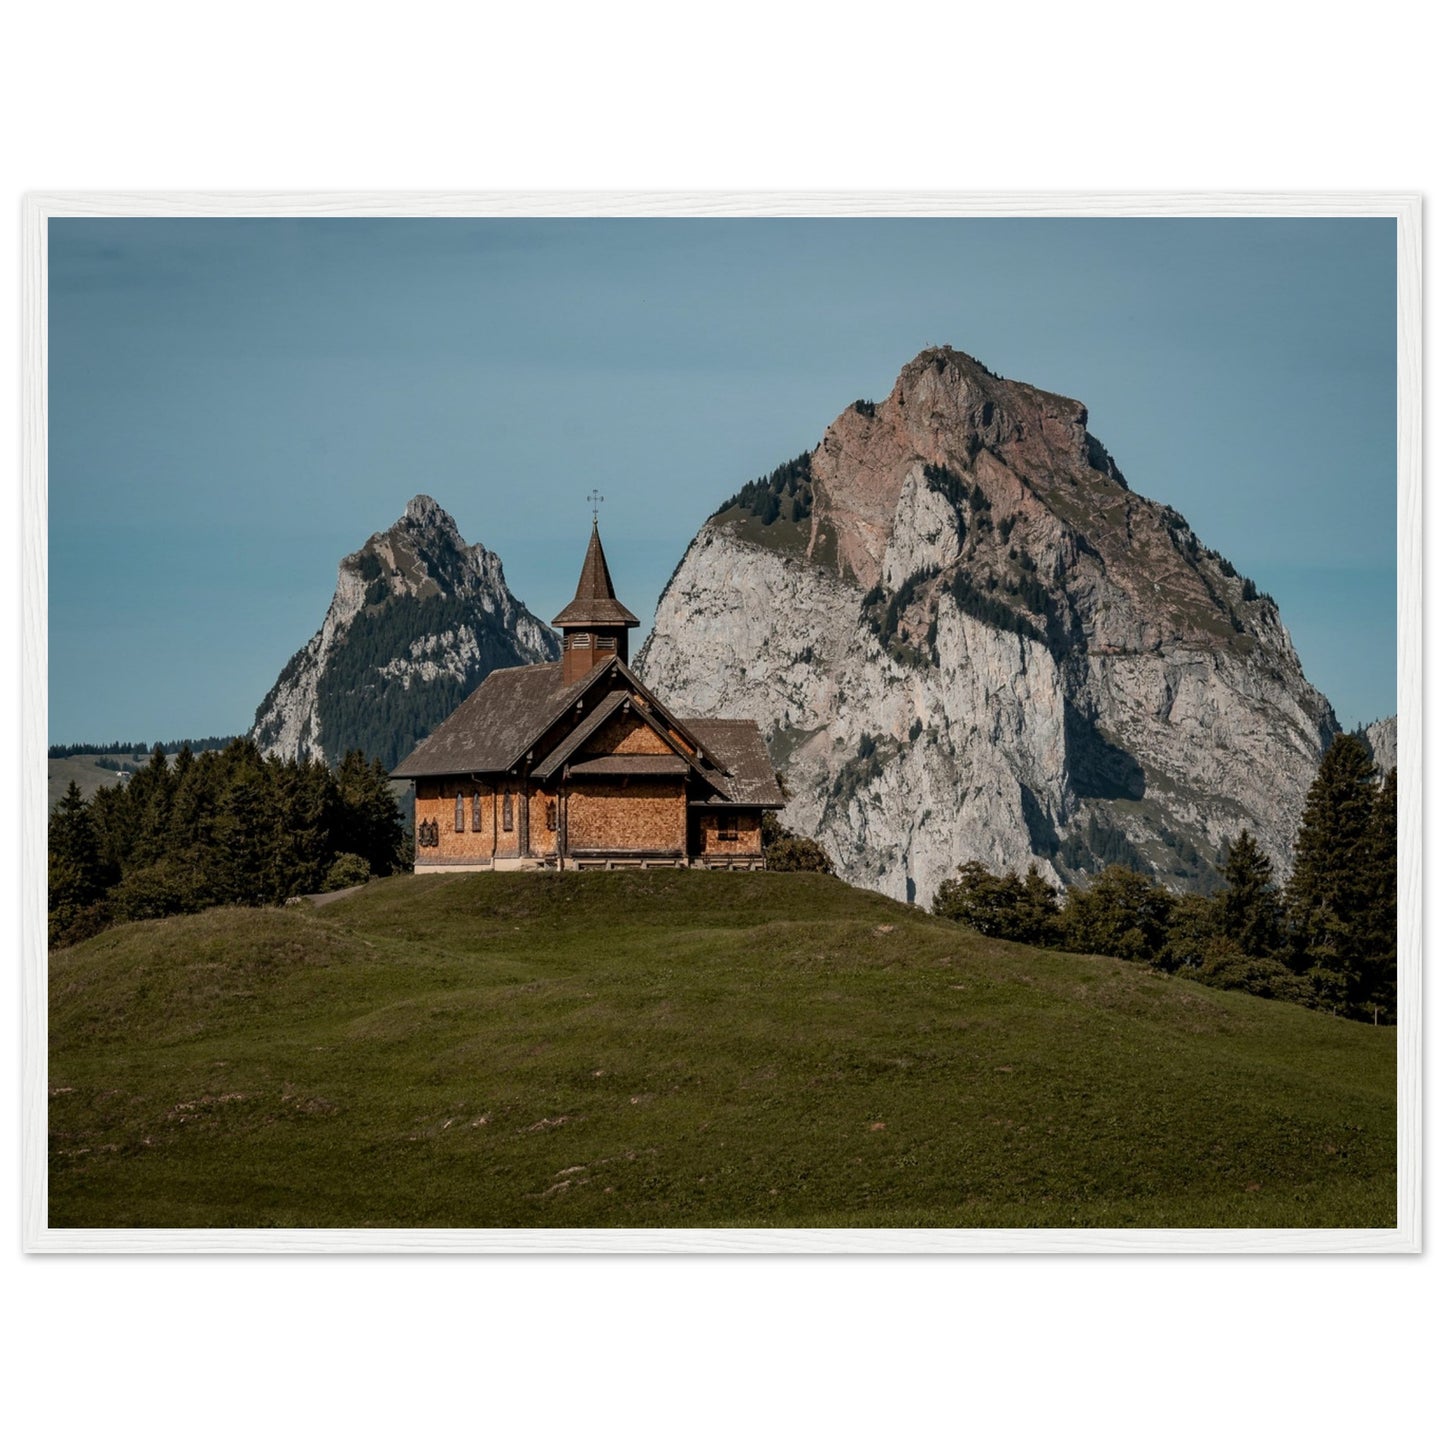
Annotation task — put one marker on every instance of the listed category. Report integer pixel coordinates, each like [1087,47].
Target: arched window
[506,812]
[477,811]
[552,815]
[460,821]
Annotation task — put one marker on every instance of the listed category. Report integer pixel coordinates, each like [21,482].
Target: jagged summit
[966,636]
[428,512]
[418,619]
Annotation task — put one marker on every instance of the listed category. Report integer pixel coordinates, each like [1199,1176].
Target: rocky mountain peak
[968,637]
[417,620]
[425,511]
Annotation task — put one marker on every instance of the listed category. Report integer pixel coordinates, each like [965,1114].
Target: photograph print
[743,724]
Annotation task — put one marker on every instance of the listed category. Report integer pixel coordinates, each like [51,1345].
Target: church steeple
[594,623]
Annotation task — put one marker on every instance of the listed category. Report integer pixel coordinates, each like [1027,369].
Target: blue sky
[235,404]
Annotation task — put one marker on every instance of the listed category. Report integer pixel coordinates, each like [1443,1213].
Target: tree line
[1325,939]
[141,749]
[232,826]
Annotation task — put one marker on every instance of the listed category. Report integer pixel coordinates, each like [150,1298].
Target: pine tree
[1378,926]
[1329,894]
[76,874]
[1249,902]
[1196,929]
[369,822]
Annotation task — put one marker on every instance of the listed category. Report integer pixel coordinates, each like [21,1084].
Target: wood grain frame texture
[1404,207]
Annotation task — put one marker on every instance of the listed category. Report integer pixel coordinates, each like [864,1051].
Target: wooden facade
[576,764]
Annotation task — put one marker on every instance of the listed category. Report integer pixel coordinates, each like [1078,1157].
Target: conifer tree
[1329,894]
[76,874]
[1378,926]
[1249,902]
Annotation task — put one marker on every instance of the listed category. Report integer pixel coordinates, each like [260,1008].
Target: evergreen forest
[232,826]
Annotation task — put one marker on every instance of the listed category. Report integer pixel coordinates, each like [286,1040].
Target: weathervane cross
[594,496]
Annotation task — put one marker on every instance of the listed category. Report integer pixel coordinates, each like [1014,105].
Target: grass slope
[684,1049]
[81,769]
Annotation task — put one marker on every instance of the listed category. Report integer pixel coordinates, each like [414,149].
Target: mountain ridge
[418,618]
[966,635]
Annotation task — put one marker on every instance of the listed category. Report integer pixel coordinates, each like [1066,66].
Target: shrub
[1025,911]
[785,851]
[172,885]
[349,870]
[1227,967]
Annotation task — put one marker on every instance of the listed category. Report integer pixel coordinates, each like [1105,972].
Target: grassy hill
[83,769]
[684,1049]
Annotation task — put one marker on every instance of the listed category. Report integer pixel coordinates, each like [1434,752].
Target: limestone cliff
[1382,739]
[418,619]
[965,636]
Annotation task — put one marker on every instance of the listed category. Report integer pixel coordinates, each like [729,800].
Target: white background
[926,96]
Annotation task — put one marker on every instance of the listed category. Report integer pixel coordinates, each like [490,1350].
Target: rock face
[419,618]
[1381,739]
[965,637]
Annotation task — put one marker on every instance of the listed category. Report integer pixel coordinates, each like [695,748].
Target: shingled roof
[750,780]
[596,603]
[579,735]
[515,706]
[634,765]
[493,727]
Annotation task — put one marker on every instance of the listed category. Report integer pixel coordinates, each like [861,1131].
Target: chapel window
[727,827]
[552,816]
[477,811]
[506,812]
[460,819]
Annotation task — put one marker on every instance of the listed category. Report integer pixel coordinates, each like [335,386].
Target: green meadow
[684,1049]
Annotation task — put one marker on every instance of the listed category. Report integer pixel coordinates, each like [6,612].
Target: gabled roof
[579,735]
[515,707]
[596,603]
[494,727]
[737,743]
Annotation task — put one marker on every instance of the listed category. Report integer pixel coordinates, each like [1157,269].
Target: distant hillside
[90,772]
[93,770]
[684,1049]
[419,618]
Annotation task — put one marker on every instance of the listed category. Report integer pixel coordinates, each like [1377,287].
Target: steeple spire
[595,603]
[594,623]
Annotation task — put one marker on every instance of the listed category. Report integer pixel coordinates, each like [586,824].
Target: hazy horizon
[235,405]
